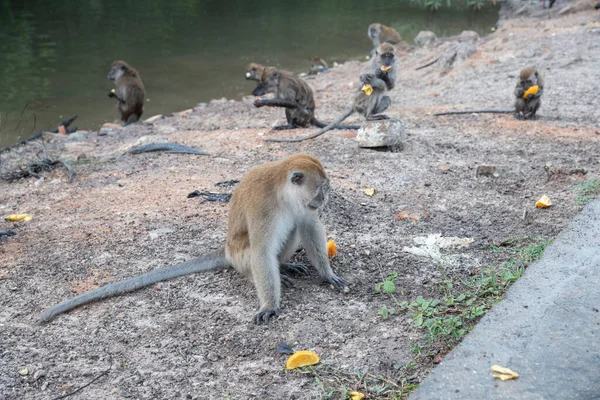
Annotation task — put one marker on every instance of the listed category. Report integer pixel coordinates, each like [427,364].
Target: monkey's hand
[367,78]
[264,315]
[258,102]
[519,92]
[112,94]
[336,281]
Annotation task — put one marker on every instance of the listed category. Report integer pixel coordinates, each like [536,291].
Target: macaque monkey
[254,72]
[370,100]
[382,34]
[528,92]
[129,91]
[530,81]
[317,65]
[292,93]
[273,209]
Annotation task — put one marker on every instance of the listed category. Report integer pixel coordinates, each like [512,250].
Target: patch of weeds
[463,303]
[587,191]
[337,383]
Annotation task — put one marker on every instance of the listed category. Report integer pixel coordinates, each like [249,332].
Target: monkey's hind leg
[132,119]
[284,127]
[383,105]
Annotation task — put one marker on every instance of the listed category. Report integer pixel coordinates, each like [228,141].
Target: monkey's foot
[286,281]
[337,282]
[264,315]
[293,269]
[378,117]
[284,127]
[519,116]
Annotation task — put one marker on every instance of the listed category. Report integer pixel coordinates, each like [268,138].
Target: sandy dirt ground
[192,337]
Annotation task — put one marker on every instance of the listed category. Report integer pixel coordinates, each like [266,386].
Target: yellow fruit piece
[369,192]
[368,89]
[113,90]
[367,58]
[532,90]
[543,202]
[356,395]
[385,69]
[302,358]
[248,74]
[503,377]
[18,217]
[331,248]
[505,371]
[24,372]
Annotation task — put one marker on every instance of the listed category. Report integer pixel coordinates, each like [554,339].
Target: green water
[55,54]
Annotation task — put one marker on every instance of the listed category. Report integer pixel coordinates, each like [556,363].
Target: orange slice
[532,90]
[543,202]
[302,358]
[331,248]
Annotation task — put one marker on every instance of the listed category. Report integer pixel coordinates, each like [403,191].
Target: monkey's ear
[297,178]
[536,74]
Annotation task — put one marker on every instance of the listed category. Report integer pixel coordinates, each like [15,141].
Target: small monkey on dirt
[317,65]
[292,93]
[129,91]
[382,34]
[528,92]
[371,100]
[273,209]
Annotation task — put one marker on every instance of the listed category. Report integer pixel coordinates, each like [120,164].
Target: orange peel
[367,89]
[532,90]
[302,358]
[543,202]
[331,248]
[385,68]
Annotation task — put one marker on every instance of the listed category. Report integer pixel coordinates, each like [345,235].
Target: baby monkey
[273,209]
[528,93]
[129,91]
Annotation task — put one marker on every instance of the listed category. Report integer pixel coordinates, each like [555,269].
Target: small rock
[185,113]
[212,357]
[468,36]
[40,373]
[153,119]
[202,106]
[486,170]
[385,133]
[284,348]
[155,234]
[79,147]
[109,129]
[44,386]
[424,38]
[437,358]
[222,100]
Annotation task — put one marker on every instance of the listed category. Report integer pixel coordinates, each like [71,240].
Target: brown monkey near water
[292,93]
[129,91]
[317,65]
[382,34]
[273,209]
[528,92]
[254,72]
[370,100]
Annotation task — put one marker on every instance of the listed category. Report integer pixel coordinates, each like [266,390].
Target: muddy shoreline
[193,337]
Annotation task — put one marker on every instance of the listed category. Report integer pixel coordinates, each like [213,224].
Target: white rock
[424,38]
[385,133]
[153,119]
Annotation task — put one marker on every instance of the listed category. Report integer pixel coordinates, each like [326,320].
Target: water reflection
[55,54]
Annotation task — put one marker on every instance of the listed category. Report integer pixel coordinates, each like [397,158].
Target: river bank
[193,337]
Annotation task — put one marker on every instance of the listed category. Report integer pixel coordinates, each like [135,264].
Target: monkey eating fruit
[273,209]
[129,91]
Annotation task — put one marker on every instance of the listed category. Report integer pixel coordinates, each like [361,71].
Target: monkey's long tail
[320,124]
[475,112]
[319,132]
[207,263]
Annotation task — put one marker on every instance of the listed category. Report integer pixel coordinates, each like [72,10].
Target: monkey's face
[387,59]
[374,30]
[116,71]
[532,80]
[311,189]
[268,83]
